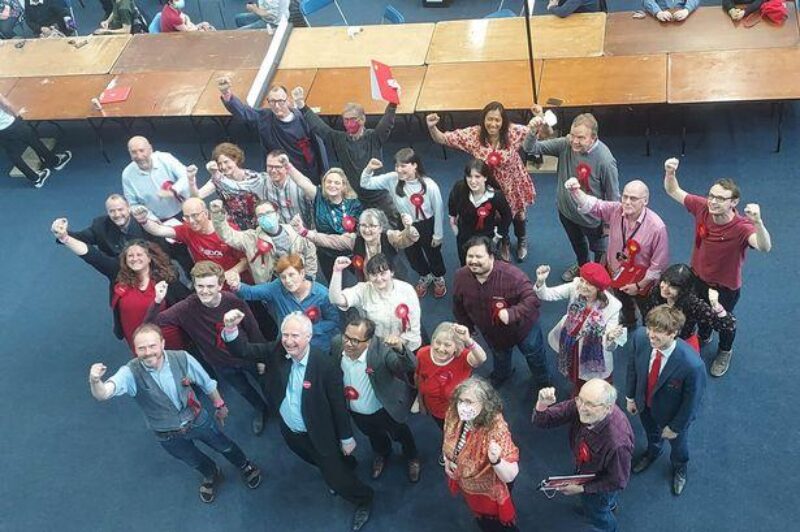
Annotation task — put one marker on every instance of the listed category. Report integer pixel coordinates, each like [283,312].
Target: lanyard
[622,228]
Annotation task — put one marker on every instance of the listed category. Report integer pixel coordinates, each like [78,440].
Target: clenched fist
[671,165]
[233,318]
[96,372]
[431,120]
[140,213]
[299,97]
[216,206]
[341,264]
[542,272]
[547,397]
[374,164]
[59,228]
[572,184]
[753,212]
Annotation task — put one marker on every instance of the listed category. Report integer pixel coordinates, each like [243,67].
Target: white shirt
[665,353]
[381,309]
[142,187]
[354,373]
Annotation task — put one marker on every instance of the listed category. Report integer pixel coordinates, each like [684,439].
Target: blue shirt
[355,376]
[291,407]
[281,303]
[124,383]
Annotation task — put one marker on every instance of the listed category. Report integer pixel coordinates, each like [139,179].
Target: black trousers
[627,315]
[423,257]
[582,239]
[15,138]
[728,299]
[237,378]
[337,470]
[381,429]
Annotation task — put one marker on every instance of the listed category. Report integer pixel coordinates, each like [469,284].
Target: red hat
[596,275]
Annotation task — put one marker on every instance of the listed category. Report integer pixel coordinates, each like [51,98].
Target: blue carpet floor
[72,464]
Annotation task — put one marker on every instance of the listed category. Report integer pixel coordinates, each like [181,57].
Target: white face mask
[467,412]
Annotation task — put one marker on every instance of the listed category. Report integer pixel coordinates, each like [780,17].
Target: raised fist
[671,165]
[299,97]
[233,318]
[59,228]
[224,84]
[462,333]
[406,219]
[96,372]
[297,223]
[432,119]
[536,122]
[216,206]
[191,172]
[547,396]
[753,212]
[542,272]
[140,213]
[374,164]
[284,160]
[572,184]
[233,279]
[341,264]
[212,167]
[161,291]
[394,342]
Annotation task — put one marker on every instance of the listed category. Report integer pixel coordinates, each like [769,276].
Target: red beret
[596,275]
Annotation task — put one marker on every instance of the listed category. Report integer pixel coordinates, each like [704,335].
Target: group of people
[295,288]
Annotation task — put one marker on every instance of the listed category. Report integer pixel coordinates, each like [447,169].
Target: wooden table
[295,77]
[213,50]
[6,84]
[503,39]
[56,57]
[470,86]
[59,97]
[618,80]
[707,29]
[330,47]
[738,75]
[334,87]
[158,94]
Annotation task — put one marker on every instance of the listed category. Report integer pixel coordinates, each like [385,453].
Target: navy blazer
[322,402]
[109,239]
[680,386]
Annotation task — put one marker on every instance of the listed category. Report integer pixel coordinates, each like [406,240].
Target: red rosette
[350,393]
[633,248]
[401,311]
[167,186]
[312,313]
[483,212]
[582,454]
[494,159]
[186,382]
[700,233]
[264,248]
[348,223]
[357,262]
[497,306]
[369,371]
[417,200]
[307,385]
[584,172]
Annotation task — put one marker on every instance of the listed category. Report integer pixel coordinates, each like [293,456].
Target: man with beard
[154,179]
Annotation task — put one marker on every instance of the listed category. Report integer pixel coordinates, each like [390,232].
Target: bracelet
[496,463]
[304,232]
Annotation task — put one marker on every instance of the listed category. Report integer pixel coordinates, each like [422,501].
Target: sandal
[251,475]
[208,488]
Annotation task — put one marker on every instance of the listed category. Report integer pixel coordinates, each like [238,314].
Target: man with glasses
[284,192]
[721,240]
[601,440]
[638,246]
[197,232]
[281,127]
[378,392]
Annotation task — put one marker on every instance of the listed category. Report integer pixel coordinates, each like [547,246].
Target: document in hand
[380,76]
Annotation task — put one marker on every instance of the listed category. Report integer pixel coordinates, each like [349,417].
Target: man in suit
[666,381]
[307,386]
[376,385]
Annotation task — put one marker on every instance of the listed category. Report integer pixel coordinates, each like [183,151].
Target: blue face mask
[268,222]
[179,4]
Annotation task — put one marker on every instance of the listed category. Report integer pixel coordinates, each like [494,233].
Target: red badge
[348,223]
[633,248]
[166,186]
[312,313]
[369,371]
[483,212]
[417,200]
[584,172]
[306,384]
[264,249]
[494,159]
[402,312]
[358,262]
[497,306]
[350,393]
[185,381]
[582,453]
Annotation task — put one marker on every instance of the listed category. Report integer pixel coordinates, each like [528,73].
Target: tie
[652,378]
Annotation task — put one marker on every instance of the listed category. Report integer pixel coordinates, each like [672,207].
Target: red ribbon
[483,212]
[584,171]
[305,146]
[307,384]
[348,223]
[167,186]
[494,159]
[633,250]
[402,312]
[218,341]
[191,400]
[312,313]
[700,233]
[497,306]
[264,249]
[582,454]
[350,393]
[417,200]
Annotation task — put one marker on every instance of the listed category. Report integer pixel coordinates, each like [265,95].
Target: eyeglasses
[583,402]
[193,216]
[274,166]
[719,199]
[277,102]
[353,341]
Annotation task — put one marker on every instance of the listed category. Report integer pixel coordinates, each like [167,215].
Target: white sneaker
[43,176]
[63,159]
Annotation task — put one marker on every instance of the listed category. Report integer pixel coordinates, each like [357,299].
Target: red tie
[652,378]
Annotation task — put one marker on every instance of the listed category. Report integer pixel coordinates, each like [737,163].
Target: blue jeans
[249,21]
[679,456]
[532,348]
[204,429]
[597,507]
[237,377]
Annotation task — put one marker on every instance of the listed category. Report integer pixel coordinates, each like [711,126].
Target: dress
[510,172]
[241,197]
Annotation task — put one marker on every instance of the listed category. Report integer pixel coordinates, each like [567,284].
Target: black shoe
[643,463]
[43,176]
[361,516]
[678,481]
[258,422]
[63,159]
[497,381]
[251,475]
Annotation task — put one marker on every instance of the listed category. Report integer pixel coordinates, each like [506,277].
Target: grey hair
[588,120]
[300,318]
[377,215]
[609,393]
[116,196]
[357,108]
[491,402]
[446,329]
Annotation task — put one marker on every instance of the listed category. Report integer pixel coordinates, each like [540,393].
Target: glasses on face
[718,199]
[580,401]
[349,340]
[193,216]
[277,102]
[274,166]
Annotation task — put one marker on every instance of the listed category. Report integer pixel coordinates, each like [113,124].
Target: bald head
[595,401]
[635,197]
[195,214]
[141,152]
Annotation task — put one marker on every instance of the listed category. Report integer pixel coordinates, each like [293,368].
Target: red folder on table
[379,77]
[115,95]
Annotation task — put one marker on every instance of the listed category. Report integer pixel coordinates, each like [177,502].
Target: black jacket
[109,239]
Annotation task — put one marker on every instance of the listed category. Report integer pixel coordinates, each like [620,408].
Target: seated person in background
[10,11]
[41,14]
[670,10]
[119,21]
[174,19]
[729,6]
[262,13]
[564,8]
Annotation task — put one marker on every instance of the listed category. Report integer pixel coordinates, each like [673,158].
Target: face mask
[351,125]
[179,4]
[268,222]
[467,412]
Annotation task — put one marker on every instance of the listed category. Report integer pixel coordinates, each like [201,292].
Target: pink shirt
[719,250]
[648,231]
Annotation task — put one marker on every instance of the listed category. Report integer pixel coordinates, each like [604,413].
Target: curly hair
[160,267]
[229,150]
[491,402]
